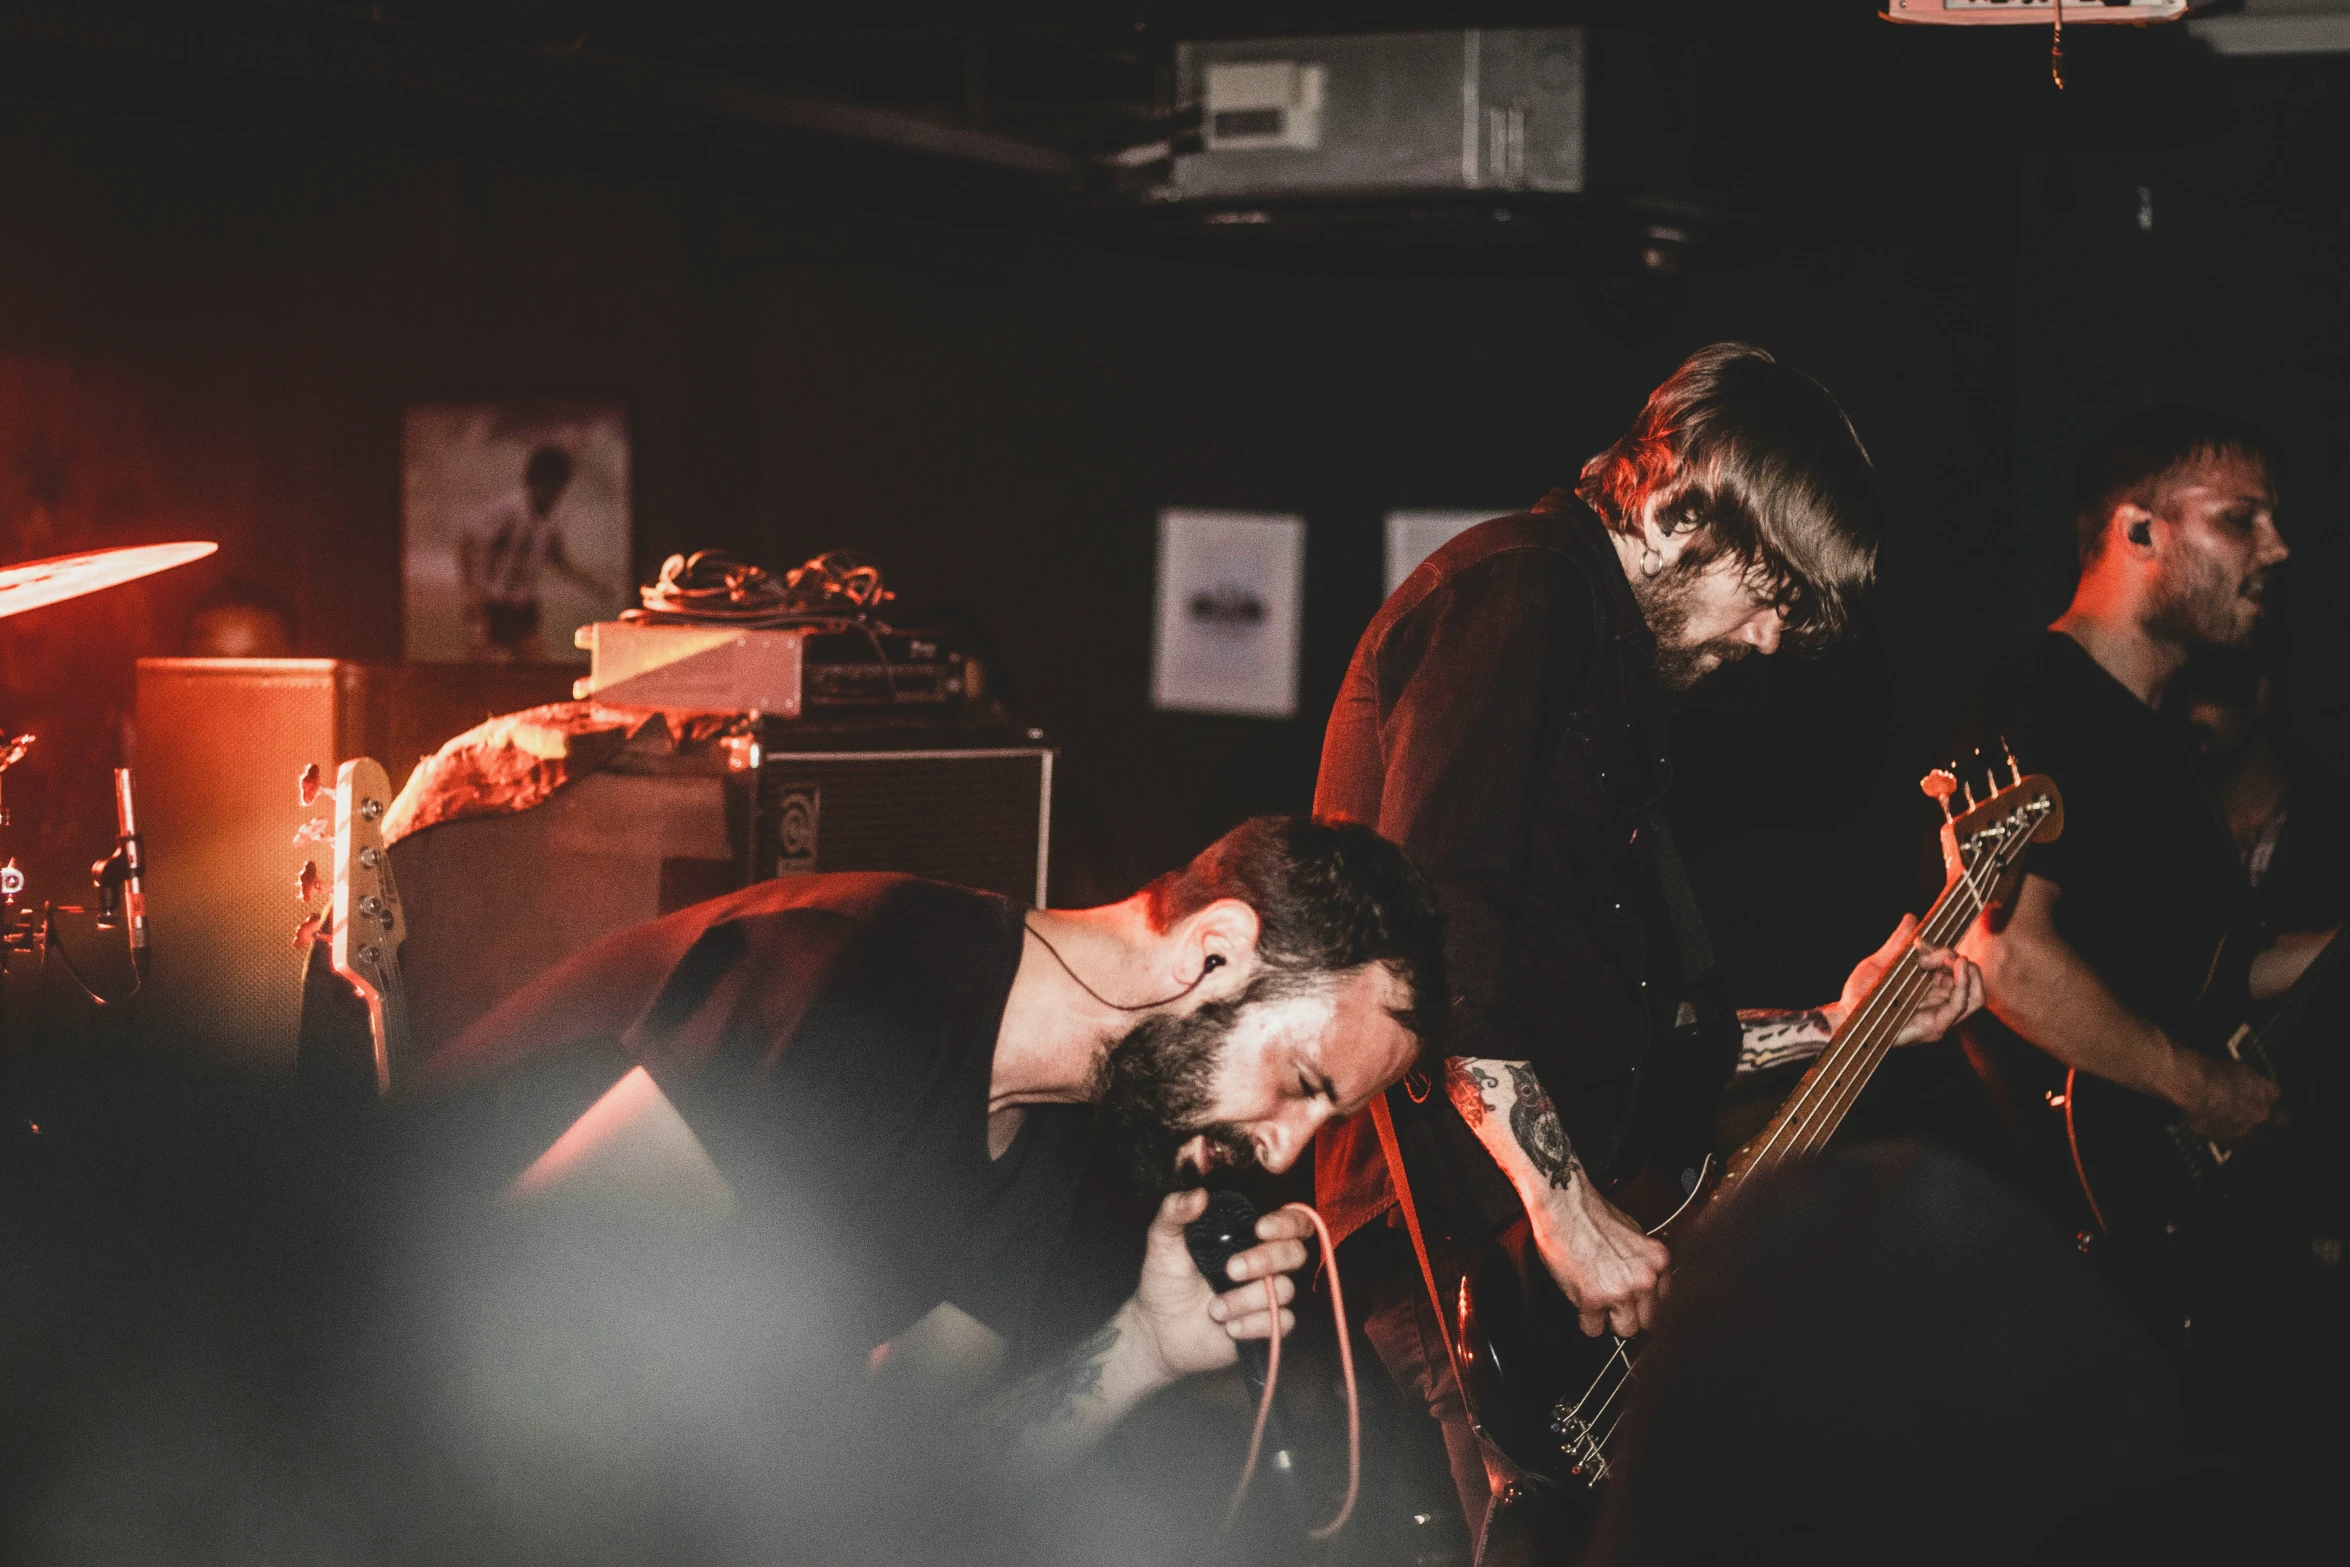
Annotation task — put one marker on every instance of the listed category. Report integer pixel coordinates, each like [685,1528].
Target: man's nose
[2272,544]
[1283,1140]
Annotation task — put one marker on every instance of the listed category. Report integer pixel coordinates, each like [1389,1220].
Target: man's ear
[2134,525]
[1217,946]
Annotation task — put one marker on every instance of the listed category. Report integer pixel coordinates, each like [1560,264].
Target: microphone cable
[1234,1205]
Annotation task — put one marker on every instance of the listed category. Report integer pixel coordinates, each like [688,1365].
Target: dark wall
[998,416]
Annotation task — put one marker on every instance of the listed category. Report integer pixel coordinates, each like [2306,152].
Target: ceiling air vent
[1383,114]
[1263,103]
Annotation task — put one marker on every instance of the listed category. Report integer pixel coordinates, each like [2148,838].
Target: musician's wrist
[2186,1079]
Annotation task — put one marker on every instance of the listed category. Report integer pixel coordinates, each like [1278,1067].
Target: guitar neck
[1829,1090]
[387,1018]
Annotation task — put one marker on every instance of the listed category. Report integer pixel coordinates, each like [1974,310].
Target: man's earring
[1652,560]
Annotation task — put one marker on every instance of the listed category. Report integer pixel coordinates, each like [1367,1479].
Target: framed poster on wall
[516,525]
[1230,592]
[1413,536]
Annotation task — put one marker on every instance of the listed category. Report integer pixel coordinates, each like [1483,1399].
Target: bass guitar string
[1891,1001]
[1616,1374]
[1836,1078]
[1951,912]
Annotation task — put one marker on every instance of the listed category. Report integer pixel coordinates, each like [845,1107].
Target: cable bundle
[713,588]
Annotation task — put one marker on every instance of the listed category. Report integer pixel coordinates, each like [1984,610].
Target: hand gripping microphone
[1223,1232]
[1227,1229]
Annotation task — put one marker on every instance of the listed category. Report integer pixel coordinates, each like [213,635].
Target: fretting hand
[1954,986]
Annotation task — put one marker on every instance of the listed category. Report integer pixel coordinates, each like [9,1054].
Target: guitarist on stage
[2139,922]
[1504,719]
[2112,931]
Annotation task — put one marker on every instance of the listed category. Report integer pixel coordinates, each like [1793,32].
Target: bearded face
[2220,550]
[1687,606]
[2204,601]
[1155,1087]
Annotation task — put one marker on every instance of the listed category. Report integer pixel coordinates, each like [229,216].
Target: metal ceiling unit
[1383,114]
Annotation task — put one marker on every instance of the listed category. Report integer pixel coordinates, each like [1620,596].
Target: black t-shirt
[2149,875]
[830,1040]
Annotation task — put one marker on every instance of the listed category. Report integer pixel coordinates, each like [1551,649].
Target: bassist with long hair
[1504,719]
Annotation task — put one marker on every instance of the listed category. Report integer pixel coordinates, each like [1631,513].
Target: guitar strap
[1392,1151]
[1500,1473]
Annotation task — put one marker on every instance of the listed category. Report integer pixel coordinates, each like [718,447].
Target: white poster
[1413,536]
[1230,591]
[516,517]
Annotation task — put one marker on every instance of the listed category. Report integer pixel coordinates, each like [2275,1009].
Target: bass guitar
[1548,1396]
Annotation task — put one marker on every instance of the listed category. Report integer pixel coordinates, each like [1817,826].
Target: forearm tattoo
[1534,1122]
[1467,1083]
[1777,1038]
[1053,1393]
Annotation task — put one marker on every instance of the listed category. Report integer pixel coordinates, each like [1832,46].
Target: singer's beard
[1155,1086]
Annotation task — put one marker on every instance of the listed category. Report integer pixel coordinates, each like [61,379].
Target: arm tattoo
[1777,1038]
[1534,1122]
[1466,1083]
[1052,1394]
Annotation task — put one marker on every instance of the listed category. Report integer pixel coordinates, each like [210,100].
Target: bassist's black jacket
[1501,721]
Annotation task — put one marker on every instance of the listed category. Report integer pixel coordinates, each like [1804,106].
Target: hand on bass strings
[2226,1099]
[1193,1328]
[1612,1272]
[1954,986]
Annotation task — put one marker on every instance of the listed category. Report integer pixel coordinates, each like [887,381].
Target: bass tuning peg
[1938,786]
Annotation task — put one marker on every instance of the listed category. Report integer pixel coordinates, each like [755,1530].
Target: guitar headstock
[1983,841]
[364,922]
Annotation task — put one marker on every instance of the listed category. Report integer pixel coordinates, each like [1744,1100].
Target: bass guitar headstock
[363,925]
[1983,841]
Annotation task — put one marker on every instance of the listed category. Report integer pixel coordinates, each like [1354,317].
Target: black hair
[2139,450]
[1329,896]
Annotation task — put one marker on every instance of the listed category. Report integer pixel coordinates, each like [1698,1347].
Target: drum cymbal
[62,577]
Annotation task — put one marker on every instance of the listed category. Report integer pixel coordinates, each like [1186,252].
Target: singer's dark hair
[1330,896]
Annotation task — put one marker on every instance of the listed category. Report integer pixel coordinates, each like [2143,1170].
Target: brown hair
[1330,896]
[1762,461]
[2130,461]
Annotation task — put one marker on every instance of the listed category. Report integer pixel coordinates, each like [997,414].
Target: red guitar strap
[1499,1471]
[1392,1151]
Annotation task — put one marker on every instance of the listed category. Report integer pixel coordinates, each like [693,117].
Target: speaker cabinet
[221,743]
[495,900]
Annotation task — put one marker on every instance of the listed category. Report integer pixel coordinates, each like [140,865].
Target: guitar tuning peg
[310,784]
[2015,774]
[306,881]
[1938,786]
[1970,796]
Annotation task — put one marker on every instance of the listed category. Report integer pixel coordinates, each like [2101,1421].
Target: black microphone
[1227,1229]
[134,887]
